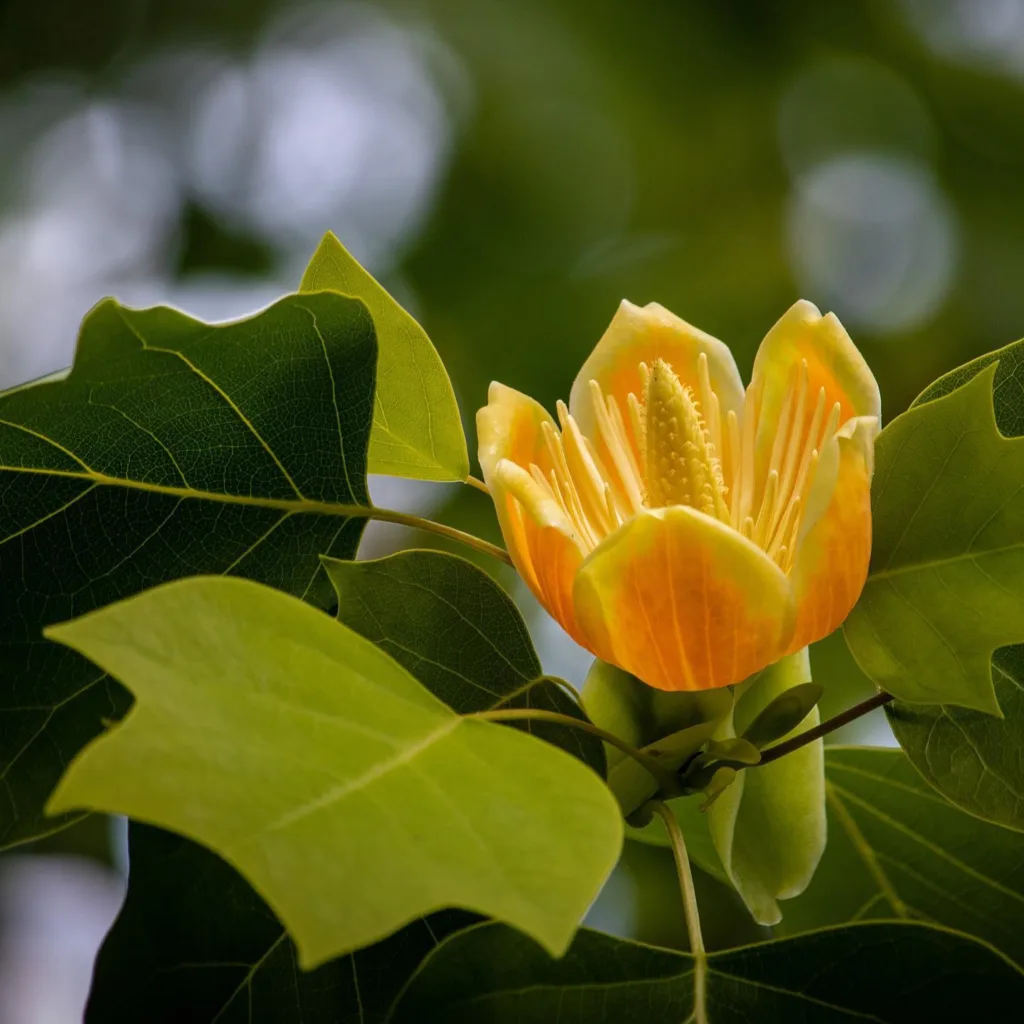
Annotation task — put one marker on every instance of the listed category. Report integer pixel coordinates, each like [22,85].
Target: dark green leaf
[417,430]
[897,849]
[194,944]
[946,583]
[892,973]
[972,758]
[346,793]
[459,634]
[172,448]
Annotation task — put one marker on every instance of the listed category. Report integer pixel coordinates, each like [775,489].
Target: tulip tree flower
[677,526]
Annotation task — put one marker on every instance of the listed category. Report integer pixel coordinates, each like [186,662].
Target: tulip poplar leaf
[971,757]
[195,943]
[946,584]
[346,793]
[896,849]
[460,635]
[890,973]
[417,431]
[172,447]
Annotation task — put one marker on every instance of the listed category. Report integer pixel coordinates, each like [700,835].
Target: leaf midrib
[280,504]
[966,556]
[371,775]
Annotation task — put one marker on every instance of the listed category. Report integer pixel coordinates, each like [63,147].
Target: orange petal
[833,554]
[683,602]
[642,335]
[539,536]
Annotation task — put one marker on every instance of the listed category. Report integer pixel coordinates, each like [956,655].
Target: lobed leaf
[898,850]
[417,431]
[329,777]
[946,583]
[972,757]
[194,944]
[172,447]
[895,850]
[883,972]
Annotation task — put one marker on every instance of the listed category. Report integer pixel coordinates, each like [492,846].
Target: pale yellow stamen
[666,451]
[612,432]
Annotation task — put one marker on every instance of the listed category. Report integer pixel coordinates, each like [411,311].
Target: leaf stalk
[690,909]
[664,778]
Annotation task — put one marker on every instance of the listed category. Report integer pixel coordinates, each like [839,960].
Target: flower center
[674,447]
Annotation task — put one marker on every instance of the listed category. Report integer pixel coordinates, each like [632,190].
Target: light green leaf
[460,635]
[890,973]
[173,447]
[194,944]
[417,430]
[946,584]
[898,850]
[348,795]
[769,825]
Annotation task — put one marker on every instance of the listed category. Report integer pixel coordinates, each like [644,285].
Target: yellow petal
[833,362]
[683,601]
[833,554]
[642,335]
[805,360]
[539,536]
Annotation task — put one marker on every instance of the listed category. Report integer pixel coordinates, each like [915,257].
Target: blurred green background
[511,169]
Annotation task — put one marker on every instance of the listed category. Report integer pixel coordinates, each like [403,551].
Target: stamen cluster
[674,447]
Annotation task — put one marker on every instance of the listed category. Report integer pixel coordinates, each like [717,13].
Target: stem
[386,515]
[663,777]
[478,484]
[690,910]
[847,716]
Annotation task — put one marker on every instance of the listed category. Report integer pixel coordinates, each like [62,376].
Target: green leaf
[417,430]
[328,776]
[970,757]
[460,635]
[173,447]
[890,973]
[946,584]
[783,714]
[194,944]
[769,825]
[898,850]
